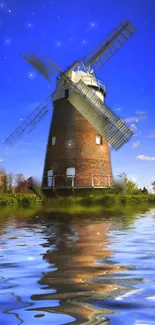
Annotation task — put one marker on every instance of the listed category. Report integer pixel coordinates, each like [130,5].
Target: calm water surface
[96,271]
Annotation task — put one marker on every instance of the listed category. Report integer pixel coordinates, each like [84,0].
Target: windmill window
[50,178]
[98,139]
[53,141]
[70,172]
[66,93]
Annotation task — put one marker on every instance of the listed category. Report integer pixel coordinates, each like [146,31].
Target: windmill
[77,154]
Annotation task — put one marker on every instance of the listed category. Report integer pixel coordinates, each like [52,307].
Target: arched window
[50,178]
[70,171]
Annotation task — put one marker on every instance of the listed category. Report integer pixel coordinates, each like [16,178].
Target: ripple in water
[96,271]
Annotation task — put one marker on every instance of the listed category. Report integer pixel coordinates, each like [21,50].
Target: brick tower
[77,156]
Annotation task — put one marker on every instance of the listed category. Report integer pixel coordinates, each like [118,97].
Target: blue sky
[67,30]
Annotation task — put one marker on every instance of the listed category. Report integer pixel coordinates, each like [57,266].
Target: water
[82,271]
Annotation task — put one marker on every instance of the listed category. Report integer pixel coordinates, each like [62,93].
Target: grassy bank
[93,202]
[120,207]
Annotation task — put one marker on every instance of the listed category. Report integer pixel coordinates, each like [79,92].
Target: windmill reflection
[76,251]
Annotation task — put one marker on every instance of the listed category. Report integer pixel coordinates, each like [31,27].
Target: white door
[49,178]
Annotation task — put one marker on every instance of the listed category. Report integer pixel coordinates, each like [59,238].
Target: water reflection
[76,251]
[81,271]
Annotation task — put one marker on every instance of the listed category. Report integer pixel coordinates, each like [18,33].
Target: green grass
[89,204]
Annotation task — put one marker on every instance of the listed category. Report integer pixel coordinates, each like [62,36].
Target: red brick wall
[70,127]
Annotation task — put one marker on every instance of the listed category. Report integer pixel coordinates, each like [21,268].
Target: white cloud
[131,119]
[141,112]
[135,144]
[143,157]
[133,127]
[136,134]
[118,109]
[152,135]
[135,118]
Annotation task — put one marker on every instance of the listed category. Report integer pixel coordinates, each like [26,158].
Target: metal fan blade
[101,117]
[30,122]
[109,46]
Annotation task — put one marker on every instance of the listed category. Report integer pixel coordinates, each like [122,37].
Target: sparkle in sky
[66,31]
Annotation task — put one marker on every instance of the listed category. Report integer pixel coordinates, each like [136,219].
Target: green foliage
[26,200]
[7,200]
[21,200]
[93,200]
[153,185]
[144,190]
[104,200]
[125,185]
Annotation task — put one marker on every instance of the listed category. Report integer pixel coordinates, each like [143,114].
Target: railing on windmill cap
[77,181]
[94,82]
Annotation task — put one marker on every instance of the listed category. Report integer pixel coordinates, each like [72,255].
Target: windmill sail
[101,117]
[30,122]
[38,118]
[109,46]
[41,62]
[84,99]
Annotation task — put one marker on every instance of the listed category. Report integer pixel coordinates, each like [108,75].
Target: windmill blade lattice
[100,116]
[39,117]
[109,46]
[30,122]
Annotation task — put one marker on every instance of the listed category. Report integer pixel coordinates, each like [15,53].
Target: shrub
[19,199]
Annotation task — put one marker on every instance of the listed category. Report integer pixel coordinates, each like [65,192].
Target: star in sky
[84,42]
[8,41]
[29,25]
[58,44]
[31,75]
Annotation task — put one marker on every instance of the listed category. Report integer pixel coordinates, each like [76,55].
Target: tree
[128,186]
[144,190]
[3,181]
[19,179]
[10,182]
[153,185]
